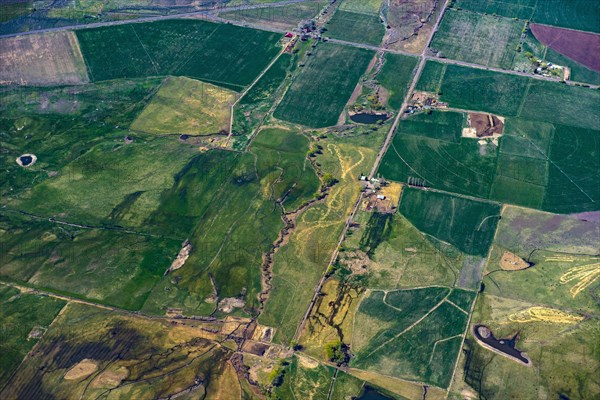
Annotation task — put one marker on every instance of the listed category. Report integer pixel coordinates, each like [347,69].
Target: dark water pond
[373,394]
[366,118]
[26,160]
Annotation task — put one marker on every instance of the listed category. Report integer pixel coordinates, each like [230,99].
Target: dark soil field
[582,47]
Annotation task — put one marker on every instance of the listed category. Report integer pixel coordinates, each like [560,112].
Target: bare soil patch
[583,47]
[512,262]
[486,125]
[42,59]
[410,23]
[81,370]
[111,379]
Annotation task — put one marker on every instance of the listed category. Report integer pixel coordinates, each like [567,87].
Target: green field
[189,48]
[20,314]
[469,225]
[479,39]
[575,14]
[304,380]
[481,90]
[321,89]
[286,17]
[427,149]
[521,9]
[344,26]
[186,106]
[410,334]
[395,77]
[431,77]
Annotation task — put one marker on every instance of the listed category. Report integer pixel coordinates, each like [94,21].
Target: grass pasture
[300,264]
[575,14]
[240,220]
[42,60]
[344,26]
[20,314]
[305,378]
[186,106]
[361,6]
[321,89]
[467,224]
[477,38]
[564,356]
[182,47]
[431,77]
[124,355]
[409,334]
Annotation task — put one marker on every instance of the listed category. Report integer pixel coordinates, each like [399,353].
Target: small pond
[367,118]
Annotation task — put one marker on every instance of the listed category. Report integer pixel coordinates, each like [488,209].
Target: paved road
[210,14]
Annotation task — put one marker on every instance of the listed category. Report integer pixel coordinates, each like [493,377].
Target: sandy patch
[307,362]
[111,379]
[512,262]
[81,370]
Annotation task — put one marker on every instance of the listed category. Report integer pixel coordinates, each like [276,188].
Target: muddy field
[486,125]
[39,60]
[582,47]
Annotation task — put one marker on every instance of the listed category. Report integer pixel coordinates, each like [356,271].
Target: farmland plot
[410,334]
[345,26]
[42,60]
[521,9]
[467,224]
[178,47]
[395,77]
[187,106]
[479,39]
[321,89]
[284,17]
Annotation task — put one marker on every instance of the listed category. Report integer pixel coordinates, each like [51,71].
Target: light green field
[284,17]
[187,106]
[564,356]
[522,9]
[480,39]
[361,6]
[395,77]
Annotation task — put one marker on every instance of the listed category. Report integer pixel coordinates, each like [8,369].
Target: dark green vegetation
[439,125]
[467,224]
[481,90]
[462,298]
[130,357]
[573,14]
[356,27]
[413,334]
[21,314]
[477,38]
[239,207]
[178,47]
[14,8]
[321,89]
[521,9]
[395,77]
[420,151]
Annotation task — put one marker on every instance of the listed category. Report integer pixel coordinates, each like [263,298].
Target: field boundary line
[524,99]
[450,302]
[439,341]
[417,322]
